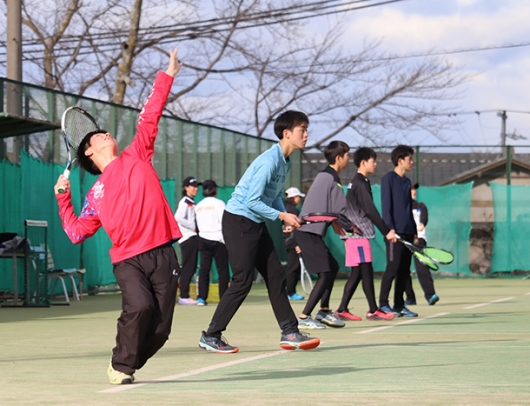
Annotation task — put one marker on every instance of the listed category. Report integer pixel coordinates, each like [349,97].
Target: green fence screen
[511,228]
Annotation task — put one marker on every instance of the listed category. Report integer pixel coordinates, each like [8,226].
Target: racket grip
[66,175]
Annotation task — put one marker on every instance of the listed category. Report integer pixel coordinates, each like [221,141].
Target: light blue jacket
[257,196]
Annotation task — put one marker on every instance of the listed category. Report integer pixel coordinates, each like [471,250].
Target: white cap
[293,192]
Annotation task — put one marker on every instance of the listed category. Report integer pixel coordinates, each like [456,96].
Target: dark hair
[400,152]
[363,154]
[209,188]
[335,149]
[288,120]
[86,162]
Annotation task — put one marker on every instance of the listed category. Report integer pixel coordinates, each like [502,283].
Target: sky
[499,78]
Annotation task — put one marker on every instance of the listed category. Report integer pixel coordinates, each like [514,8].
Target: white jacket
[185,216]
[209,214]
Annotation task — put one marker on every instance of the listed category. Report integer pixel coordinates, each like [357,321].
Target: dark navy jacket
[396,203]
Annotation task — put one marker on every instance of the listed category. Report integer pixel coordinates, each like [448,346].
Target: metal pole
[503,116]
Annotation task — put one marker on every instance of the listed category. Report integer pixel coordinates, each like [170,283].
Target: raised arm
[147,129]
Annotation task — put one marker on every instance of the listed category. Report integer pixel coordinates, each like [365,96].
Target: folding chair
[56,275]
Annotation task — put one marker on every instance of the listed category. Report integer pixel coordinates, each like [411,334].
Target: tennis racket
[305,278]
[428,256]
[75,124]
[320,217]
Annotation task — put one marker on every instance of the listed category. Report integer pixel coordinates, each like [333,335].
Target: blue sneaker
[434,298]
[201,302]
[410,302]
[295,296]
[388,309]
[406,312]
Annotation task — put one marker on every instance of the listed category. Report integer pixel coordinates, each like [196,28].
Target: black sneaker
[218,345]
[293,341]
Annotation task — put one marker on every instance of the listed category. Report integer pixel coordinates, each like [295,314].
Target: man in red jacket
[128,202]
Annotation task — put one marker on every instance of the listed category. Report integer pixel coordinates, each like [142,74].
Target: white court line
[122,388]
[371,330]
[527,294]
[488,303]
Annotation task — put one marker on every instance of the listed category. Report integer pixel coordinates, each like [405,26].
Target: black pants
[364,272]
[424,276]
[209,249]
[398,259]
[318,260]
[190,251]
[250,246]
[292,273]
[148,283]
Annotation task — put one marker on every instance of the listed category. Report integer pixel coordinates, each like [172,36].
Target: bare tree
[246,61]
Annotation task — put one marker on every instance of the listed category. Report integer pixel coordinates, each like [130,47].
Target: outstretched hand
[174,63]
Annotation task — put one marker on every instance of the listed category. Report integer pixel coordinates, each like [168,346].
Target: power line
[193,30]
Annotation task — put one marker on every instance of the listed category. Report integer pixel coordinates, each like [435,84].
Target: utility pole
[14,40]
[14,72]
[503,116]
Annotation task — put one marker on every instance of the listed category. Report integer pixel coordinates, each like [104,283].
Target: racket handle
[66,175]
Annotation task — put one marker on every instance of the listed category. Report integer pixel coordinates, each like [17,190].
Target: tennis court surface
[472,348]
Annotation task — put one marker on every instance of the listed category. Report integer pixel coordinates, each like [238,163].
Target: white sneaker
[310,324]
[119,378]
[187,301]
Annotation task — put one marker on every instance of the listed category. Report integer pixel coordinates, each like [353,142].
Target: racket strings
[77,125]
[439,255]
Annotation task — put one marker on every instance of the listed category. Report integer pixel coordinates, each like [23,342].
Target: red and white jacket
[127,200]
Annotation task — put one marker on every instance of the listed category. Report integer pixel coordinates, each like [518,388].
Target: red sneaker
[346,315]
[379,315]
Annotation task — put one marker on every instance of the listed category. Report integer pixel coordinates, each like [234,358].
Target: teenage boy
[396,202]
[421,217]
[128,202]
[189,243]
[209,214]
[292,273]
[257,197]
[325,195]
[362,211]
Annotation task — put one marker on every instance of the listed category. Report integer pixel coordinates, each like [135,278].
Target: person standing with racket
[128,202]
[325,195]
[362,210]
[396,202]
[421,217]
[257,197]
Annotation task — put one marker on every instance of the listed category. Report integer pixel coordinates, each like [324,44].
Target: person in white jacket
[189,243]
[209,214]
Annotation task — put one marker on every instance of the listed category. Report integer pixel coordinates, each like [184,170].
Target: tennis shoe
[295,296]
[380,315]
[388,309]
[187,301]
[118,378]
[201,302]
[294,341]
[346,315]
[216,344]
[329,319]
[406,312]
[409,302]
[310,324]
[434,298]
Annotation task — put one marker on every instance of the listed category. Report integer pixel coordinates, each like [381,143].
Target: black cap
[416,186]
[209,184]
[190,181]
